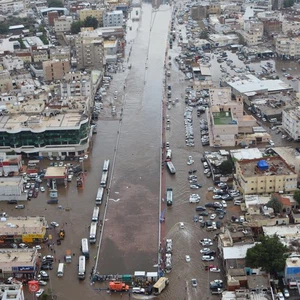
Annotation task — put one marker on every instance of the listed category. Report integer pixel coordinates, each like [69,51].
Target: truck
[118,286]
[68,257]
[217,291]
[160,285]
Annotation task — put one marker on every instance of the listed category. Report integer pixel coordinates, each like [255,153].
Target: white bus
[99,196]
[104,179]
[93,233]
[95,216]
[106,165]
[60,270]
[81,267]
[85,248]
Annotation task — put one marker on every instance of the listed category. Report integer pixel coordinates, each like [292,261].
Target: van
[237,202]
[60,270]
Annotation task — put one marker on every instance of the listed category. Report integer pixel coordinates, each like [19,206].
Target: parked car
[39,293]
[206,242]
[20,206]
[23,246]
[286,293]
[205,250]
[47,266]
[54,224]
[207,258]
[203,213]
[44,274]
[194,282]
[215,270]
[42,283]
[187,258]
[216,197]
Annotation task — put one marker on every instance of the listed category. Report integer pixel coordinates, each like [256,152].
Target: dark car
[208,223]
[192,171]
[202,224]
[195,218]
[220,211]
[203,213]
[221,216]
[210,205]
[203,159]
[12,202]
[219,224]
[46,267]
[200,208]
[211,253]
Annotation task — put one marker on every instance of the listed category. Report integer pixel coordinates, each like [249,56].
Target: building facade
[76,84]
[290,26]
[10,6]
[291,122]
[11,63]
[61,53]
[274,176]
[89,50]
[95,13]
[55,69]
[5,81]
[63,24]
[113,18]
[288,47]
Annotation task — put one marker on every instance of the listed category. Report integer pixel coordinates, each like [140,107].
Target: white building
[63,24]
[290,26]
[290,122]
[12,63]
[288,47]
[114,18]
[12,291]
[11,6]
[220,40]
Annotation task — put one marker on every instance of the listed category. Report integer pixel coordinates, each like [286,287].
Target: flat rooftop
[55,172]
[240,154]
[20,225]
[236,252]
[9,181]
[220,96]
[222,118]
[17,256]
[276,166]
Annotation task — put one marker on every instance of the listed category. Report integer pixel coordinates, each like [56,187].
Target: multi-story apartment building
[11,63]
[51,127]
[24,54]
[63,24]
[95,13]
[288,47]
[55,69]
[10,6]
[5,81]
[257,176]
[290,26]
[113,18]
[39,55]
[291,122]
[61,53]
[203,11]
[253,32]
[76,84]
[89,50]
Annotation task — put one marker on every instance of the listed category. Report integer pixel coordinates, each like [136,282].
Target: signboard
[23,269]
[33,286]
[33,236]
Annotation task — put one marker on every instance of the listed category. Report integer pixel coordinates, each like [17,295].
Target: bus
[169,197]
[85,248]
[60,270]
[93,233]
[106,165]
[171,167]
[95,216]
[81,267]
[104,179]
[99,196]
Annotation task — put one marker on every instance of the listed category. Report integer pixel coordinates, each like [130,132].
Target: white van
[237,202]
[205,165]
[60,270]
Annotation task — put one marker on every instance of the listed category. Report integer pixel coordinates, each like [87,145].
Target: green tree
[297,197]
[55,3]
[226,167]
[204,35]
[275,204]
[44,39]
[91,22]
[75,27]
[269,254]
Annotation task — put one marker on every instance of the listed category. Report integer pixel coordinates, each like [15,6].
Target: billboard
[23,269]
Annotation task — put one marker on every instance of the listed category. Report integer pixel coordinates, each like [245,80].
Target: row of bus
[103,182]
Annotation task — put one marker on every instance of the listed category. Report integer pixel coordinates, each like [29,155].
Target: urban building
[39,56]
[12,63]
[89,50]
[110,51]
[52,15]
[55,69]
[12,188]
[95,13]
[290,122]
[10,163]
[257,176]
[221,40]
[19,263]
[10,6]
[22,229]
[113,18]
[290,26]
[288,47]
[272,27]
[13,291]
[24,54]
[76,84]
[63,24]
[203,11]
[61,53]
[5,81]
[253,32]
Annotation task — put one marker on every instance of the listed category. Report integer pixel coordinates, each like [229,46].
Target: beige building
[95,13]
[63,24]
[39,55]
[5,81]
[61,53]
[273,175]
[55,69]
[24,54]
[89,50]
[290,26]
[288,47]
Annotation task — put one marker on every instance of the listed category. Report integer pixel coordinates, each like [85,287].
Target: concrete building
[10,163]
[272,27]
[76,84]
[10,6]
[61,53]
[110,51]
[55,69]
[12,63]
[13,291]
[258,176]
[22,229]
[63,24]
[292,271]
[52,15]
[95,13]
[89,50]
[290,122]
[220,40]
[203,11]
[5,81]
[288,47]
[290,26]
[253,37]
[12,188]
[20,263]
[24,54]
[39,56]
[113,18]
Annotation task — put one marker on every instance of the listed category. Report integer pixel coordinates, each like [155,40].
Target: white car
[42,282]
[206,242]
[286,293]
[42,189]
[279,296]
[187,258]
[213,216]
[216,197]
[54,224]
[196,196]
[39,293]
[61,164]
[37,247]
[194,200]
[224,204]
[210,189]
[205,250]
[23,246]
[215,270]
[207,258]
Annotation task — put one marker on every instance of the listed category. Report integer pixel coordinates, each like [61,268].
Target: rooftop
[236,252]
[223,118]
[241,154]
[293,112]
[17,255]
[275,165]
[292,262]
[220,96]
[7,181]
[259,281]
[55,172]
